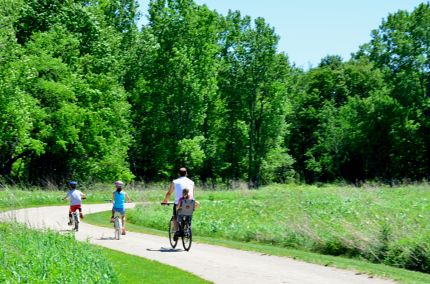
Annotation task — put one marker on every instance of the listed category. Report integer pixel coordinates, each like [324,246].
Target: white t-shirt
[75,197]
[180,184]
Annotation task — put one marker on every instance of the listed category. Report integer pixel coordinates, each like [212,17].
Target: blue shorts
[119,210]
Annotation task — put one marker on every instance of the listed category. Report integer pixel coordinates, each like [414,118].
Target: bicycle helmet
[73,184]
[119,183]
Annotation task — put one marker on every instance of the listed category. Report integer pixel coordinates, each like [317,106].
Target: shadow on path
[106,239]
[165,250]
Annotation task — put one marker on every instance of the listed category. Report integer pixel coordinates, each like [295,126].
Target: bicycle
[75,221]
[117,224]
[184,224]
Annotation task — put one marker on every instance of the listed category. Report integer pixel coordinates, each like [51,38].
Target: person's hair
[185,191]
[182,172]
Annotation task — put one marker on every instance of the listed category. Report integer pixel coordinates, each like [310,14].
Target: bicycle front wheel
[172,239]
[187,236]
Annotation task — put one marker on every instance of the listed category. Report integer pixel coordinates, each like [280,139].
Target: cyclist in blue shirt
[118,198]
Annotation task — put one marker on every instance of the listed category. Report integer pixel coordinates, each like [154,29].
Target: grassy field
[380,224]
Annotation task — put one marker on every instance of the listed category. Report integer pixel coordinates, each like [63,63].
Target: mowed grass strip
[134,269]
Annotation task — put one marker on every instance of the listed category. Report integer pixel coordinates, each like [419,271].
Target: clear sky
[312,29]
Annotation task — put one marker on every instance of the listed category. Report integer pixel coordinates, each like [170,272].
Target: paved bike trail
[214,263]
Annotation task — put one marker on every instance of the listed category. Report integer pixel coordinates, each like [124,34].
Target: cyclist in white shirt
[75,197]
[177,186]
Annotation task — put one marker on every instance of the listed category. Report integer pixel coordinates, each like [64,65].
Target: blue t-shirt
[119,198]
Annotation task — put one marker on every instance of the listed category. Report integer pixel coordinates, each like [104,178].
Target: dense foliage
[85,93]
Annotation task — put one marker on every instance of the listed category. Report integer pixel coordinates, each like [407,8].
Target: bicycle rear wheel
[76,221]
[117,226]
[173,241]
[187,236]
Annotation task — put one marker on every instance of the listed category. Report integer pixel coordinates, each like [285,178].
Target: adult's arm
[169,192]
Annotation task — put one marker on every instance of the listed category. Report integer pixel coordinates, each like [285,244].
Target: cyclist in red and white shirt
[75,197]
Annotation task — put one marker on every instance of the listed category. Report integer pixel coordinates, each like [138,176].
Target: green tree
[316,135]
[19,110]
[67,112]
[253,85]
[176,94]
[401,47]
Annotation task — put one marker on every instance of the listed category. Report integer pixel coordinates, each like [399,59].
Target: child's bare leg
[123,221]
[112,217]
[123,224]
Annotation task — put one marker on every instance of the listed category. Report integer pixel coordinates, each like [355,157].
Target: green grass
[29,256]
[401,275]
[134,269]
[384,225]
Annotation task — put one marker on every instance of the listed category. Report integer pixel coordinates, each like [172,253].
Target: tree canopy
[86,94]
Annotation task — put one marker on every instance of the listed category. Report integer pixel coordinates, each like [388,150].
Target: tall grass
[29,256]
[381,224]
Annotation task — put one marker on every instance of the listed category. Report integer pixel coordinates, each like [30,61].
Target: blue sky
[312,29]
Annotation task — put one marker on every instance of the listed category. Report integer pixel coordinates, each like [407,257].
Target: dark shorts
[174,210]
